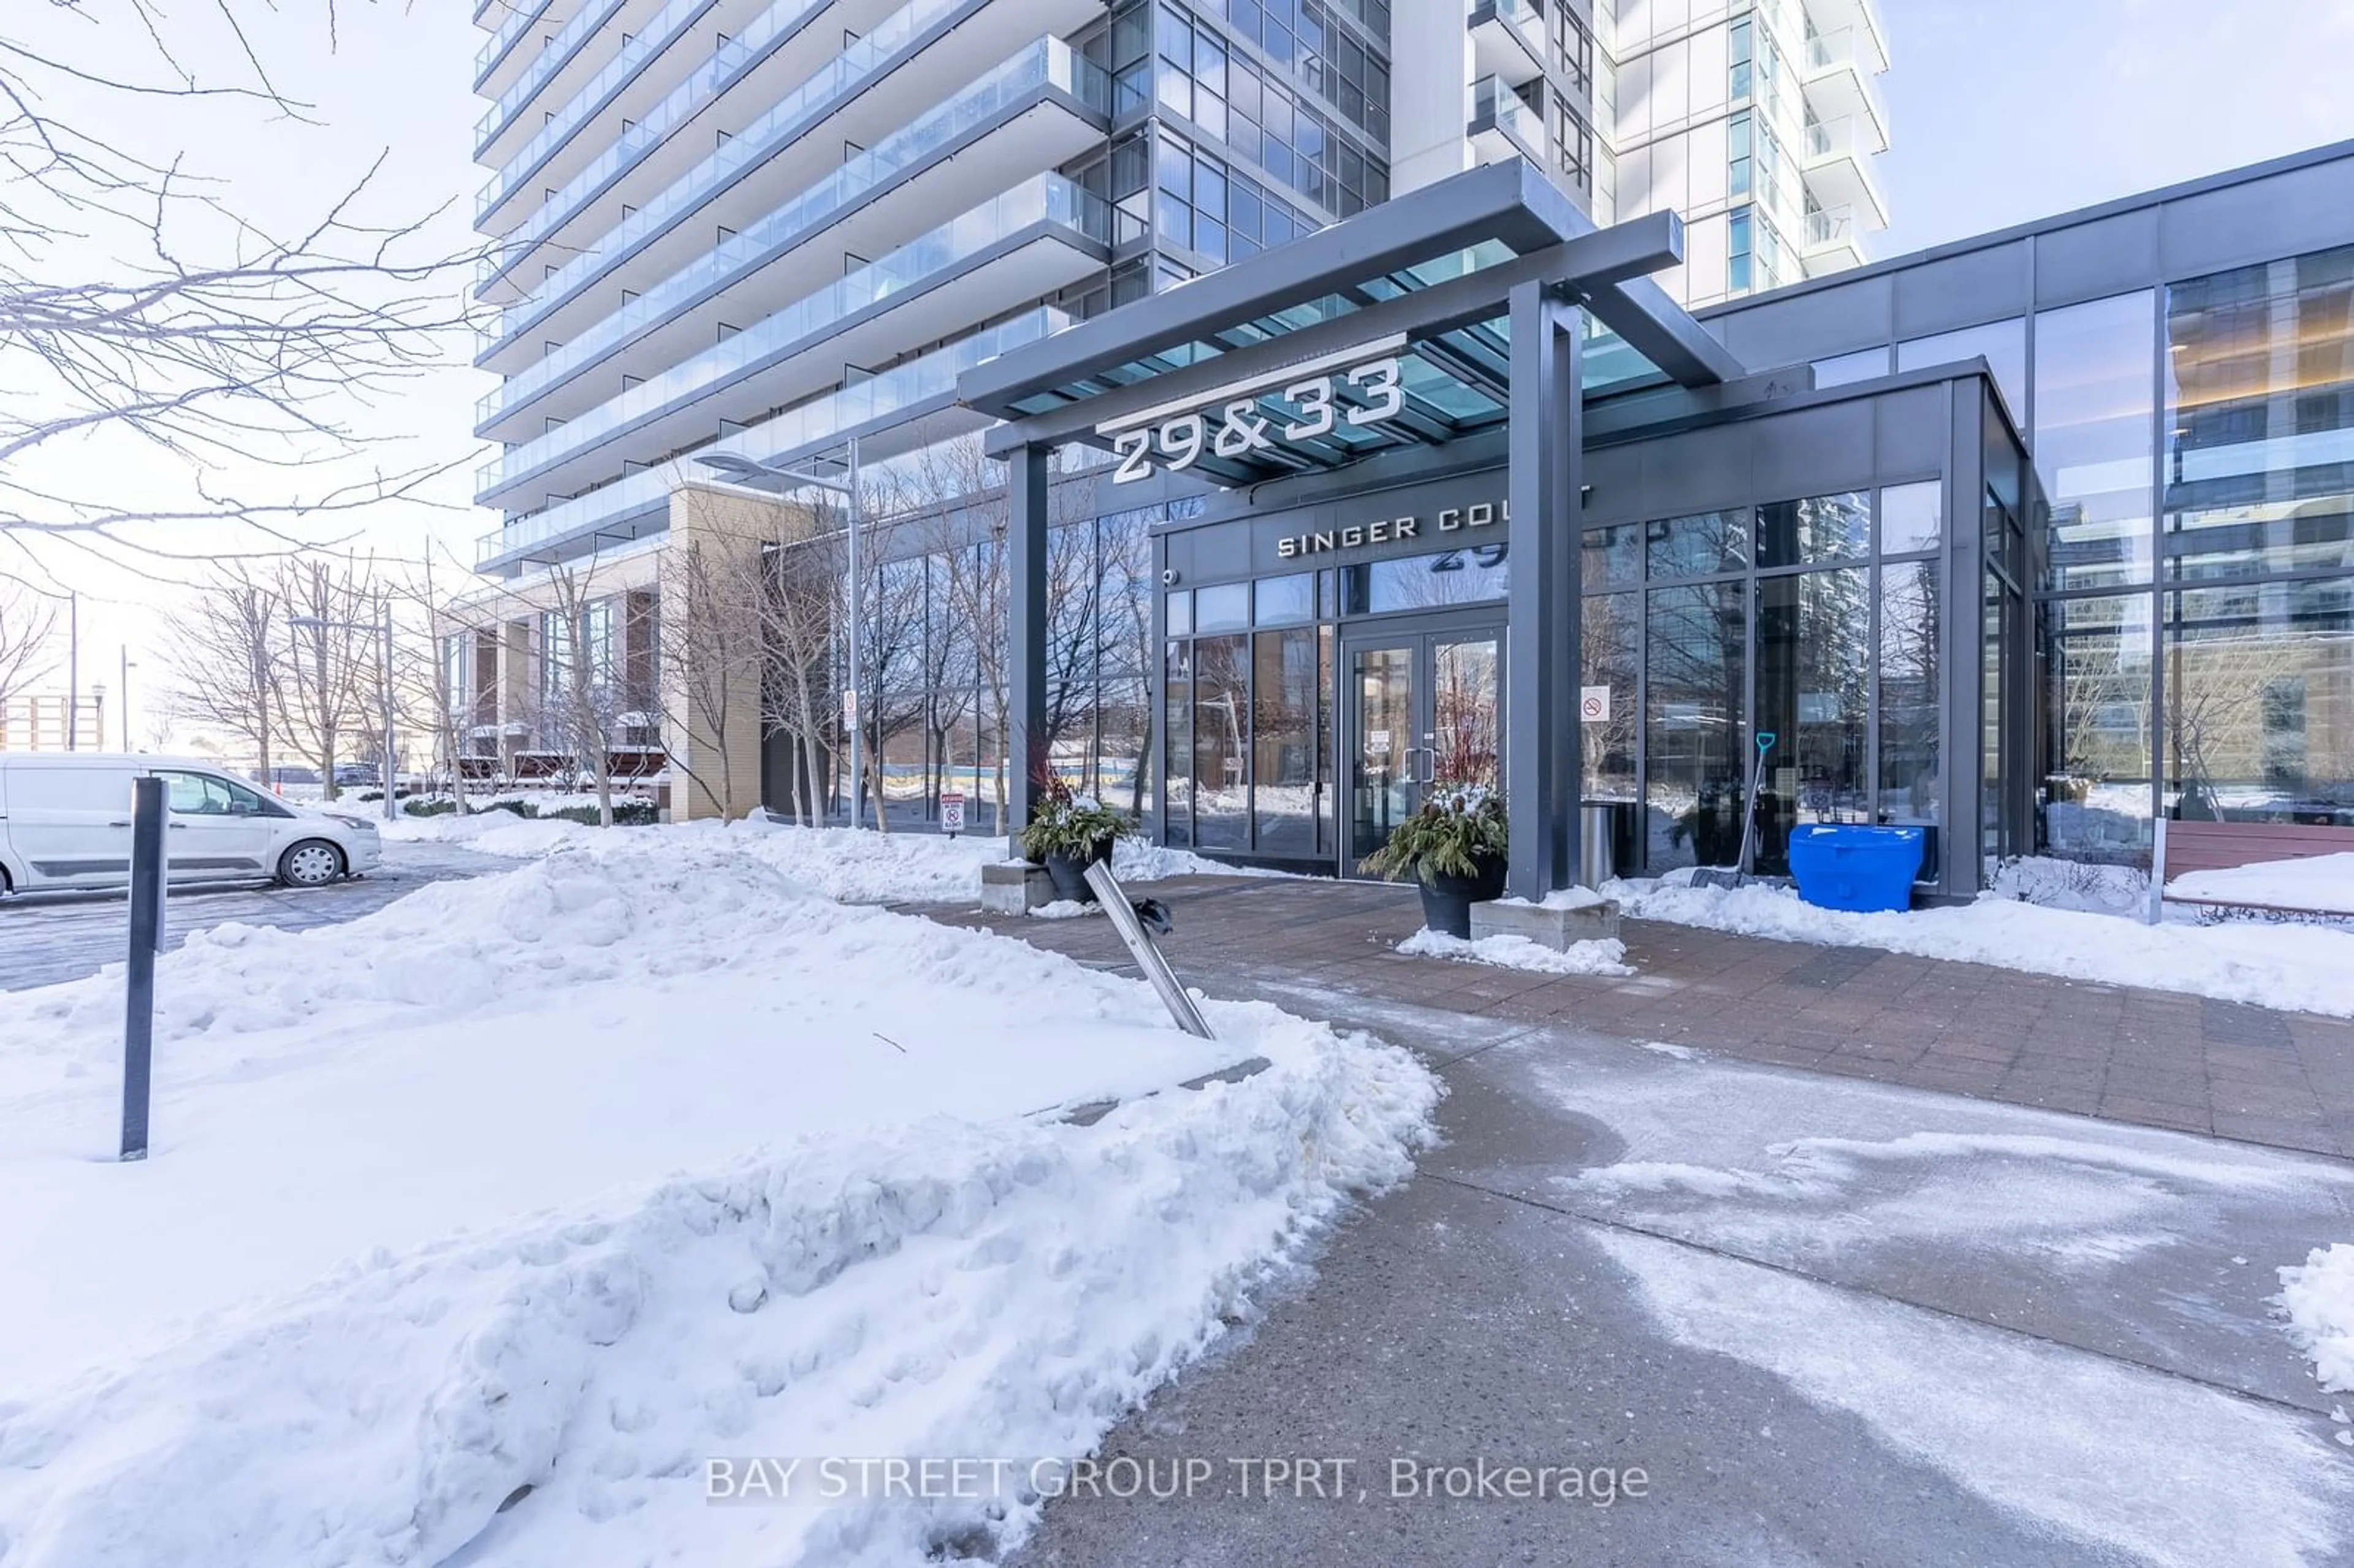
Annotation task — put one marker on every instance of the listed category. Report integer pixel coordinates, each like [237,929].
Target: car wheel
[313,863]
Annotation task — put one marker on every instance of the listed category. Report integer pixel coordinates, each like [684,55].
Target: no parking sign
[951,813]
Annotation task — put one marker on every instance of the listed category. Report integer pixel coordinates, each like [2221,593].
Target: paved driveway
[50,937]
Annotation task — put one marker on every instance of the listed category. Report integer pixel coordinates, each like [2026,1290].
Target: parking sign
[951,813]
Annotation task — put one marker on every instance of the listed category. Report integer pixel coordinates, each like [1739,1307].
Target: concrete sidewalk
[1828,1320]
[2149,1057]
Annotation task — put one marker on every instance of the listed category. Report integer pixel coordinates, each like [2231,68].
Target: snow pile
[1602,955]
[857,865]
[2092,887]
[592,914]
[1560,898]
[1065,909]
[2302,967]
[2318,1296]
[2320,882]
[648,1156]
[492,833]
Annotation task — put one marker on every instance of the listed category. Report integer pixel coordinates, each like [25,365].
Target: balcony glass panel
[1492,100]
[812,423]
[703,83]
[1047,62]
[1049,199]
[525,87]
[520,18]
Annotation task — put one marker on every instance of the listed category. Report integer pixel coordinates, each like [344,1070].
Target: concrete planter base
[1554,929]
[1015,889]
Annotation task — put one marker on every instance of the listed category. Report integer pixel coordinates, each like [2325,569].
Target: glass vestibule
[1817,620]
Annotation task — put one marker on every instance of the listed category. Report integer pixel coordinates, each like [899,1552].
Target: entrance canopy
[1391,329]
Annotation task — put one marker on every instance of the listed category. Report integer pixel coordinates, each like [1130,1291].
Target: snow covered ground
[1604,956]
[2319,882]
[548,1187]
[2305,967]
[858,866]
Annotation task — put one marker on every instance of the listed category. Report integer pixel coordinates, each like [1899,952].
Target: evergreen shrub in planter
[1453,846]
[1067,833]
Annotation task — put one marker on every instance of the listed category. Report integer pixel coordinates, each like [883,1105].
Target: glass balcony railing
[783,120]
[1829,51]
[1831,226]
[1048,62]
[811,424]
[525,16]
[566,43]
[1047,198]
[1521,16]
[702,84]
[1492,102]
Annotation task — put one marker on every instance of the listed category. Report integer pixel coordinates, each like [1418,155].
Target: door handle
[119,822]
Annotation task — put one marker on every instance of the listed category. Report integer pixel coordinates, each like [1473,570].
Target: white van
[65,822]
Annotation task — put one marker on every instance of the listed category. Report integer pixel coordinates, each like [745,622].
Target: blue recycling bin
[1861,870]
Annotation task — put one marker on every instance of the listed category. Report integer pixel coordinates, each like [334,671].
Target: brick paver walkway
[2157,1058]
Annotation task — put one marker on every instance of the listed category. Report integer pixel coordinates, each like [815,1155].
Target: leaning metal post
[1148,956]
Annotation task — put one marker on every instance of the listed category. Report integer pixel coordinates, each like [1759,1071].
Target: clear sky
[2001,111]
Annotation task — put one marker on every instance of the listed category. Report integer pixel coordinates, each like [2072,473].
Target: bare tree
[426,687]
[799,601]
[224,657]
[26,621]
[330,684]
[711,669]
[244,351]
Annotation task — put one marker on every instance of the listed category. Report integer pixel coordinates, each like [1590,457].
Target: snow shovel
[1733,876]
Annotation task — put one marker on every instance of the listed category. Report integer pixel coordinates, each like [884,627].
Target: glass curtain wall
[1709,629]
[1248,705]
[2256,604]
[933,628]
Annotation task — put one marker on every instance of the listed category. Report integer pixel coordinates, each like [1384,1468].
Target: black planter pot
[1070,872]
[1447,900]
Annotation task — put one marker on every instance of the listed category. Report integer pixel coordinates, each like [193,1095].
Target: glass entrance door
[1423,709]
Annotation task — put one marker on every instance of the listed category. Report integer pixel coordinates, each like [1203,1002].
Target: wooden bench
[2184,847]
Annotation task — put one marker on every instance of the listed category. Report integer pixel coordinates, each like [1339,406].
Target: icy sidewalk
[573,1177]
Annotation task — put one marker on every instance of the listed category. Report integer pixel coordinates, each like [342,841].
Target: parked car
[282,777]
[348,774]
[65,822]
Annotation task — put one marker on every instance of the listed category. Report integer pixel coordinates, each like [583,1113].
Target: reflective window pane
[2259,683]
[1695,652]
[1282,600]
[1177,748]
[1613,557]
[1820,529]
[1180,613]
[2002,344]
[1910,517]
[2097,800]
[1287,793]
[1699,546]
[1221,742]
[1611,649]
[2093,392]
[1861,366]
[1226,607]
[1473,576]
[1814,663]
[2260,404]
[1912,619]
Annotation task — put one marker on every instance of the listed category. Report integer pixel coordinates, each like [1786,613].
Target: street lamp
[129,664]
[789,479]
[320,623]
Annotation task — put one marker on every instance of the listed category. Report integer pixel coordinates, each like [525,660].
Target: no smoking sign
[1594,705]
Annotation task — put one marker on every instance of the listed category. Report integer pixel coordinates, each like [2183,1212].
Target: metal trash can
[1595,862]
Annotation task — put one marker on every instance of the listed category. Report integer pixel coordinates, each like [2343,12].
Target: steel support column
[1542,750]
[1026,470]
